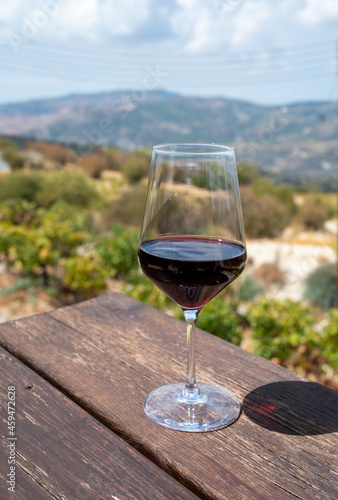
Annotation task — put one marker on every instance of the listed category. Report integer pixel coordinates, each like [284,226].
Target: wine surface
[191,270]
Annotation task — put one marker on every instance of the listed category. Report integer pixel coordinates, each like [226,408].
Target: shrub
[264,216]
[312,214]
[219,318]
[115,158]
[215,177]
[21,185]
[270,274]
[329,339]
[141,288]
[248,288]
[12,155]
[83,274]
[282,193]
[262,186]
[136,166]
[18,212]
[118,251]
[94,164]
[128,208]
[52,151]
[279,328]
[40,241]
[285,195]
[67,186]
[321,286]
[247,173]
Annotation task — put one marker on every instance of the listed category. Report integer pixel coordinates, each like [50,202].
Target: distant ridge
[296,141]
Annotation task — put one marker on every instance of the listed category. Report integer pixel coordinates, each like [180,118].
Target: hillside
[296,142]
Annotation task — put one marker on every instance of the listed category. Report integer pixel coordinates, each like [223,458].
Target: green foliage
[285,195]
[128,207]
[141,288]
[27,283]
[218,317]
[12,155]
[248,288]
[213,178]
[313,213]
[280,327]
[18,212]
[21,185]
[118,251]
[247,173]
[68,186]
[136,166]
[329,339]
[263,186]
[115,158]
[84,274]
[39,239]
[321,286]
[264,215]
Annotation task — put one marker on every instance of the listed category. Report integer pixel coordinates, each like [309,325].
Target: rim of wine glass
[191,148]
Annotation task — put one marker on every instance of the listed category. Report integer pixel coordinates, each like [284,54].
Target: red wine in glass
[191,270]
[192,246]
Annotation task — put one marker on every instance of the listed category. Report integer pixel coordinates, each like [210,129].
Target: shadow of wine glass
[293,407]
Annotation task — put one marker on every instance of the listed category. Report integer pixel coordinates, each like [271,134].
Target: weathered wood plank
[109,353]
[65,453]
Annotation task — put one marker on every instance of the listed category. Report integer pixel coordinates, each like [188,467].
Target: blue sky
[270,52]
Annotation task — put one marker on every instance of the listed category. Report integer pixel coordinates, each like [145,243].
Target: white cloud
[195,24]
[74,20]
[176,26]
[250,23]
[319,13]
[202,26]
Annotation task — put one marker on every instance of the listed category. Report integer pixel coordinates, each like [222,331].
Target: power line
[288,51]
[275,66]
[300,63]
[84,58]
[113,79]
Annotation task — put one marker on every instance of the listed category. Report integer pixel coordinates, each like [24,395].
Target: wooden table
[81,374]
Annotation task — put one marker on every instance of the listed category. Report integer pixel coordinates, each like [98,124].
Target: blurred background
[88,87]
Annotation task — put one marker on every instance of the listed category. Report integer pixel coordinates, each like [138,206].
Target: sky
[263,51]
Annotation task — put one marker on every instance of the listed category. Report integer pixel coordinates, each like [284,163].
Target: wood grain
[63,452]
[108,353]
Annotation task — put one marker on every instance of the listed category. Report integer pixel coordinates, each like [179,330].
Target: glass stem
[191,389]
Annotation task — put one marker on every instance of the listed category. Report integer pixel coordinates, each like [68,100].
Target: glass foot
[208,408]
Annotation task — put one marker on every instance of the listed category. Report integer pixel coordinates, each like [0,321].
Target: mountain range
[296,142]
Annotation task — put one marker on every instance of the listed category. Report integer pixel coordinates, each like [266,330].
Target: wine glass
[192,245]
